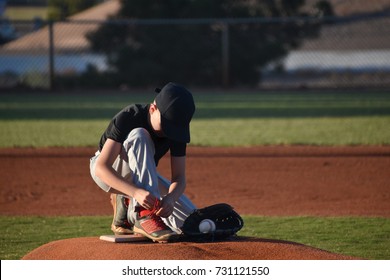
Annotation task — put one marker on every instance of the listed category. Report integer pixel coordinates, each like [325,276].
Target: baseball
[207,226]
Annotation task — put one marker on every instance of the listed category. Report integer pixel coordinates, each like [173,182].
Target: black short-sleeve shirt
[135,116]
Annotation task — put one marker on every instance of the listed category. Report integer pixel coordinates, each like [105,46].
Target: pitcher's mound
[241,248]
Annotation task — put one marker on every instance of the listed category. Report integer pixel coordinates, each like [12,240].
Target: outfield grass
[367,238]
[211,132]
[234,119]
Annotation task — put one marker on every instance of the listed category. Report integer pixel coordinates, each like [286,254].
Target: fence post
[51,56]
[225,54]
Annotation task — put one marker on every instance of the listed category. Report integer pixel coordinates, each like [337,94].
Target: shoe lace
[158,222]
[156,207]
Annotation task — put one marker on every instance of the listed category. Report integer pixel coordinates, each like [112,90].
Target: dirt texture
[238,249]
[269,181]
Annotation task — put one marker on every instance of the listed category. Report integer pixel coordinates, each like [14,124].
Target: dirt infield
[271,181]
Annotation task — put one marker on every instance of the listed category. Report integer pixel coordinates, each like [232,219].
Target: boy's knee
[139,136]
[140,133]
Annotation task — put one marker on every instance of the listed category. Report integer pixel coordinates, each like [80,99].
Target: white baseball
[207,226]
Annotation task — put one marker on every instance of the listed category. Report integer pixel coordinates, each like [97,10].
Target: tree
[152,54]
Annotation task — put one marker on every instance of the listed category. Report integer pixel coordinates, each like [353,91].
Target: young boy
[126,164]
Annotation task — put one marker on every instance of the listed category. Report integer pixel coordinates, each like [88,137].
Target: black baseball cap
[177,107]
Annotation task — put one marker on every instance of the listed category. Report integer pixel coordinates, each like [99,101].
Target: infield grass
[367,238]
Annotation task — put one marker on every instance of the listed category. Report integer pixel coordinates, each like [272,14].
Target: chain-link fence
[342,53]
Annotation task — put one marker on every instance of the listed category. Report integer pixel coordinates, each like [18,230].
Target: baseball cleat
[120,224]
[152,226]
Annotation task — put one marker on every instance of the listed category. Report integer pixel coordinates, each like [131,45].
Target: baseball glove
[227,222]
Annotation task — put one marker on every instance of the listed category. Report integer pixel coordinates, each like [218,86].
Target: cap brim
[175,132]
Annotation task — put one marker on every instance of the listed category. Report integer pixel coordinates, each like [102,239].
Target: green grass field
[230,119]
[235,119]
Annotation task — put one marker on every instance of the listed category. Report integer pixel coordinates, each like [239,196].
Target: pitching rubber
[124,238]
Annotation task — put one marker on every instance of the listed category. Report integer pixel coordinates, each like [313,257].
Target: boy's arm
[108,175]
[177,187]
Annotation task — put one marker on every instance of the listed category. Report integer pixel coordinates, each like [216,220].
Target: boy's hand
[145,199]
[166,207]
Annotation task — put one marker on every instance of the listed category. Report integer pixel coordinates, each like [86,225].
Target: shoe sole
[162,239]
